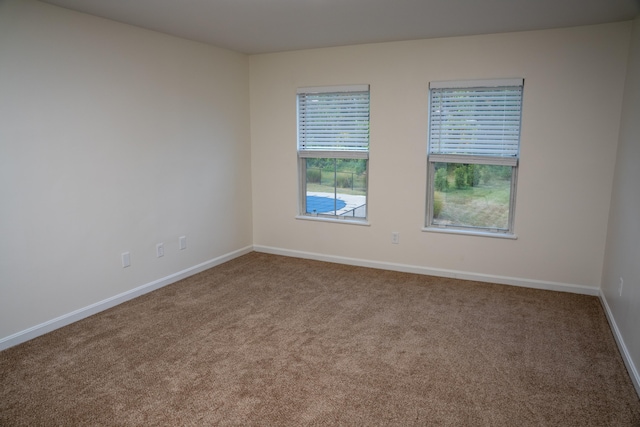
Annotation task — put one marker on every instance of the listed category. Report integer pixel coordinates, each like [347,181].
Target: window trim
[339,153]
[433,158]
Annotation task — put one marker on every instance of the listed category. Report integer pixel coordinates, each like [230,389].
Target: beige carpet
[269,340]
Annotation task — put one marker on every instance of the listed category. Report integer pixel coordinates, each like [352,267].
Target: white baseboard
[454,274]
[92,309]
[626,356]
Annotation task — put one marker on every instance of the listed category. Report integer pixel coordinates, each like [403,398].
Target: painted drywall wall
[574,81]
[622,257]
[112,138]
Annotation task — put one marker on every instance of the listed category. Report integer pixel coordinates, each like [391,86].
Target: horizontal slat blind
[475,121]
[333,121]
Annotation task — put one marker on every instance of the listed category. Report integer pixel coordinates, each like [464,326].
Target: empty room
[302,212]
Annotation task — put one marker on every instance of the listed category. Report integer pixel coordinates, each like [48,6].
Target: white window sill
[470,232]
[334,220]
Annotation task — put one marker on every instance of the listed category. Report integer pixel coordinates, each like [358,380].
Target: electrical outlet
[182,242]
[395,237]
[621,286]
[160,250]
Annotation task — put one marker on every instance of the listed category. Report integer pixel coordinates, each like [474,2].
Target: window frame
[476,158]
[332,151]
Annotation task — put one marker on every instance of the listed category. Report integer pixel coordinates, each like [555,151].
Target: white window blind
[480,122]
[333,122]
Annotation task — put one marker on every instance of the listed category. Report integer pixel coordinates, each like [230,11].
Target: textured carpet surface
[269,340]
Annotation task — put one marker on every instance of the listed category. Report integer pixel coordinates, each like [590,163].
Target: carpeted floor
[269,340]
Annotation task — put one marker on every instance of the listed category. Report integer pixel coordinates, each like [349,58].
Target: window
[333,151]
[474,146]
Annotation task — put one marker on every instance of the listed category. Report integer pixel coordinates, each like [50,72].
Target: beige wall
[112,138]
[622,257]
[574,81]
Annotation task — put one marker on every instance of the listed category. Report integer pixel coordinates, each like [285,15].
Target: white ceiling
[261,26]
